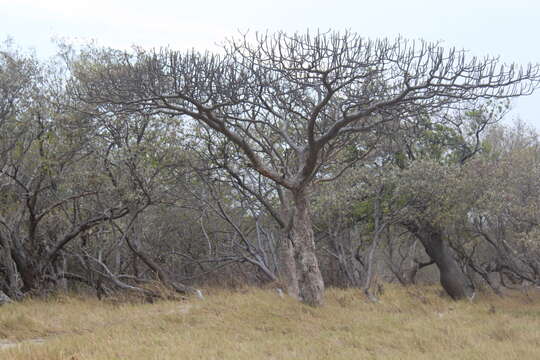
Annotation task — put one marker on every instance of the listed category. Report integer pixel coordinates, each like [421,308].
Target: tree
[56,181]
[290,104]
[502,221]
[42,209]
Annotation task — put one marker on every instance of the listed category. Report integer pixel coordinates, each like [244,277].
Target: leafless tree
[292,104]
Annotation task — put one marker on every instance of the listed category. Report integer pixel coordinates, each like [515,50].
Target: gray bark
[377,217]
[310,279]
[12,286]
[288,271]
[288,267]
[452,278]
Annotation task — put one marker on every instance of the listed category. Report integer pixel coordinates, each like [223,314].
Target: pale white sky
[509,28]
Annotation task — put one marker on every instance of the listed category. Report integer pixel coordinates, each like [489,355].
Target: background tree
[43,151]
[501,226]
[431,161]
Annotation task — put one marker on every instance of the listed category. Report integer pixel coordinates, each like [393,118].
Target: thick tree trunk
[28,271]
[287,262]
[11,284]
[452,278]
[379,227]
[288,267]
[309,275]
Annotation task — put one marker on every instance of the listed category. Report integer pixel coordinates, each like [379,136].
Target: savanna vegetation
[296,162]
[408,323]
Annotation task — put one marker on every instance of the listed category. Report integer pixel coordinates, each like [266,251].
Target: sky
[509,29]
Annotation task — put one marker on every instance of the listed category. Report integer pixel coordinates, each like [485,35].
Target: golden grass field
[408,323]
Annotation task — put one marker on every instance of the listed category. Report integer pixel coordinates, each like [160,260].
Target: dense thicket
[295,160]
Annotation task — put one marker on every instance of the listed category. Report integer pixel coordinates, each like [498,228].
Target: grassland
[414,323]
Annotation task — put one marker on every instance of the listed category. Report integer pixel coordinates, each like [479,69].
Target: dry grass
[412,323]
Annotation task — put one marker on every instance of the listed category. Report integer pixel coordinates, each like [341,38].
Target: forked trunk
[309,275]
[452,278]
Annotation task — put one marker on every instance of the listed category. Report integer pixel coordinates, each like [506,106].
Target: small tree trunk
[63,268]
[309,275]
[452,278]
